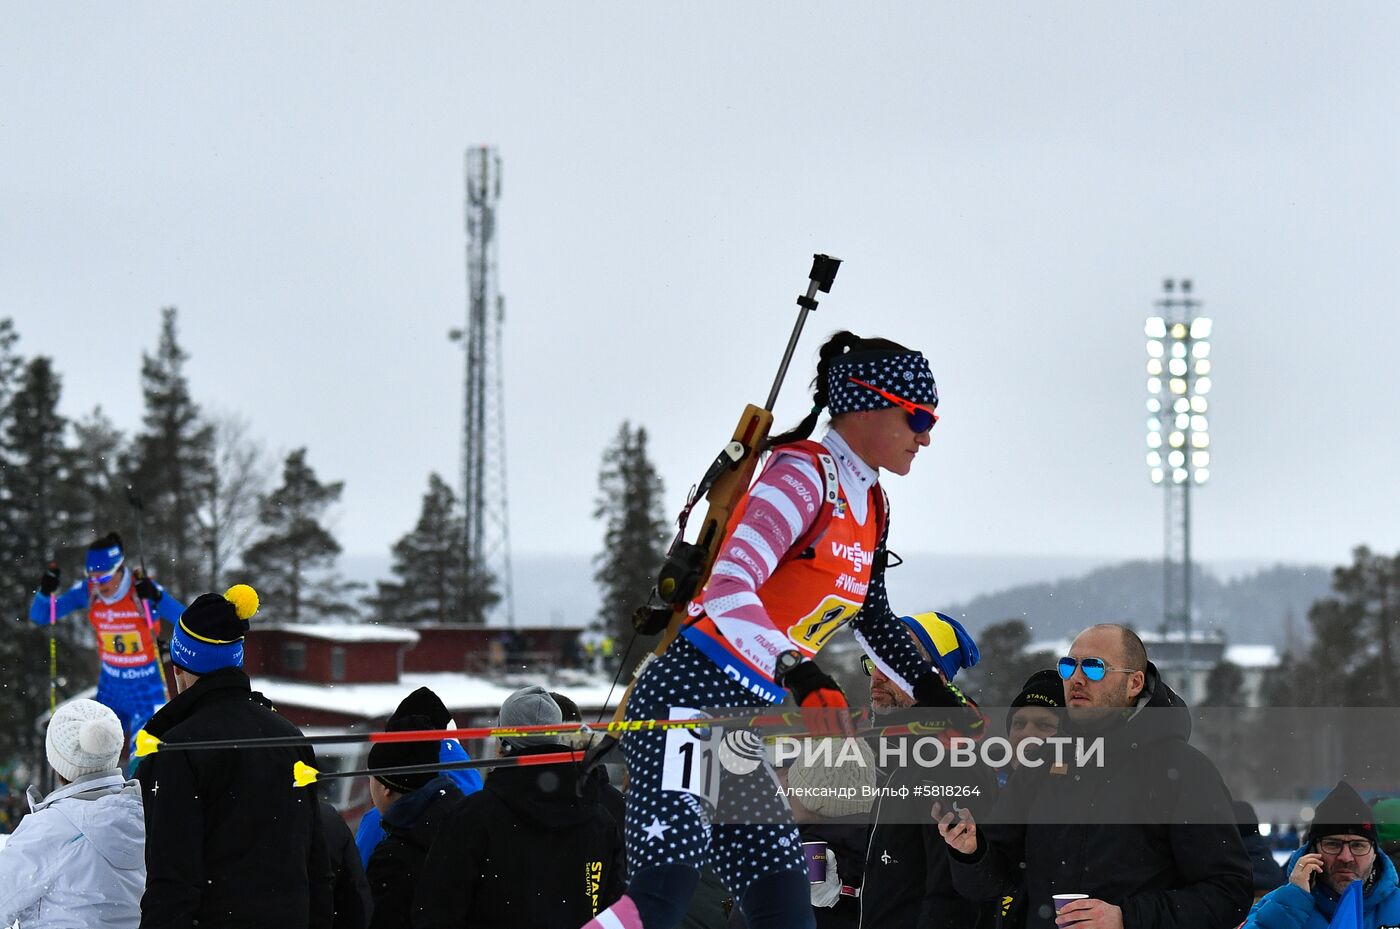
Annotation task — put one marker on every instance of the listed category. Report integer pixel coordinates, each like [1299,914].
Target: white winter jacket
[78,860]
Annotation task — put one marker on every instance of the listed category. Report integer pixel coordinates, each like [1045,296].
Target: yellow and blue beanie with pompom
[210,633]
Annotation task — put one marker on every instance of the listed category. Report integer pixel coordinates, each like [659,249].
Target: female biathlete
[804,556]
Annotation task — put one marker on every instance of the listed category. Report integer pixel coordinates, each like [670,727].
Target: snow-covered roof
[460,692]
[1252,656]
[347,632]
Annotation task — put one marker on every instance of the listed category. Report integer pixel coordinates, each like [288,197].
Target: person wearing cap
[534,847]
[906,876]
[1144,828]
[230,840]
[131,680]
[412,809]
[1037,712]
[803,557]
[77,858]
[421,702]
[1341,849]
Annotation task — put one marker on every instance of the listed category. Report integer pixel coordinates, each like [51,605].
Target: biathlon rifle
[687,566]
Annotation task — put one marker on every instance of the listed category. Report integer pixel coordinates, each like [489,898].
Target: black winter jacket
[524,852]
[350,896]
[907,877]
[410,826]
[230,842]
[1185,868]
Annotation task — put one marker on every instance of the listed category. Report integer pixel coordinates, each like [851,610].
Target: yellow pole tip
[146,744]
[303,774]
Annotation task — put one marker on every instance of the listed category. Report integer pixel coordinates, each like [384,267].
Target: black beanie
[403,754]
[1343,812]
[1043,688]
[423,702]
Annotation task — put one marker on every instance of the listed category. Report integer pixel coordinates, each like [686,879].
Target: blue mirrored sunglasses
[1094,668]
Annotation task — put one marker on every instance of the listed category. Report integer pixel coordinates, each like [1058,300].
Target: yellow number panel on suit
[812,631]
[120,643]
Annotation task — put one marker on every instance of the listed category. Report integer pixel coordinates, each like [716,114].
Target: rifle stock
[751,432]
[724,493]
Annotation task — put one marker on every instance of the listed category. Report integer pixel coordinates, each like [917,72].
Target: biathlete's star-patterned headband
[904,374]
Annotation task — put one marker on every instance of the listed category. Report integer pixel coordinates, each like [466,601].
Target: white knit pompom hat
[84,737]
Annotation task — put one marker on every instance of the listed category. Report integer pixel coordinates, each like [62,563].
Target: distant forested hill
[1253,607]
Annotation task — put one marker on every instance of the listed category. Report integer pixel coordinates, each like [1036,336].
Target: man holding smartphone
[1341,849]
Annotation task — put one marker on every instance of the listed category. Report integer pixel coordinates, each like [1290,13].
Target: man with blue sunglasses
[1145,831]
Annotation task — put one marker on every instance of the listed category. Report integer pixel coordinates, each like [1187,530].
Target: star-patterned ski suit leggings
[753,835]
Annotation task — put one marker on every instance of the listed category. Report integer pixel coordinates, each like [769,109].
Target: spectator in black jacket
[1267,874]
[1145,829]
[412,807]
[907,881]
[230,842]
[534,847]
[350,896]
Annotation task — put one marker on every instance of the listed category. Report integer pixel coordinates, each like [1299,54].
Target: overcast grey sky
[1007,187]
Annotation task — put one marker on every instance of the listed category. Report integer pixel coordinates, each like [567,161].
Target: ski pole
[304,775]
[134,499]
[53,655]
[147,744]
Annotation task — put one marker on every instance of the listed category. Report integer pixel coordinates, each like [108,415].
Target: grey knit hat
[530,706]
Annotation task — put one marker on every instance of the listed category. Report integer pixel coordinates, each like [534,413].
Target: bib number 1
[690,760]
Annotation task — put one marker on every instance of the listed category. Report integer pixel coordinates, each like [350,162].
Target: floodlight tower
[1178,438]
[487,537]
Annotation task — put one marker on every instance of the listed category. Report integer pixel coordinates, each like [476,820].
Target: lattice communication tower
[483,421]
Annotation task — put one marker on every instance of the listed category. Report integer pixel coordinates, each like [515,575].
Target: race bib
[121,643]
[690,760]
[812,630]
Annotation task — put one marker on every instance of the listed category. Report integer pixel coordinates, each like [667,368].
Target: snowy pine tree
[435,583]
[170,465]
[35,522]
[292,565]
[634,536]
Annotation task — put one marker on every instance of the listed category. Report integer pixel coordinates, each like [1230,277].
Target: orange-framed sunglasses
[921,418]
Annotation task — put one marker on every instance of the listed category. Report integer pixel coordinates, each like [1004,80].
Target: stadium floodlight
[1178,379]
[1178,456]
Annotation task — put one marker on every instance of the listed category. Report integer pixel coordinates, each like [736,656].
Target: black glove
[49,582]
[163,650]
[932,690]
[147,590]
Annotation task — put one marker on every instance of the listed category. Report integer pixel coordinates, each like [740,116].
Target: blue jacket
[76,598]
[371,831]
[1291,907]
